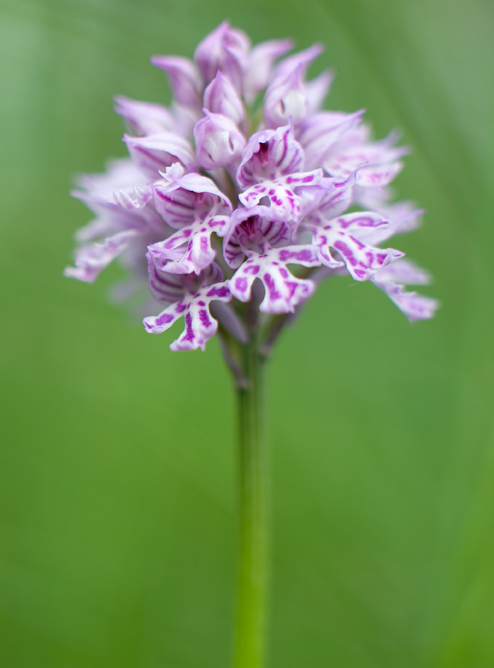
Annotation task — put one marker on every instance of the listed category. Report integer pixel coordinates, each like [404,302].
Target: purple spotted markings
[219,205]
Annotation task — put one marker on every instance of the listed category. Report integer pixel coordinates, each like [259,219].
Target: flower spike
[224,194]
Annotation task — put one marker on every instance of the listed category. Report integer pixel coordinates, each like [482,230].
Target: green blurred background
[117,491]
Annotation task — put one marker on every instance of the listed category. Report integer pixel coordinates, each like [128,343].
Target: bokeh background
[117,506]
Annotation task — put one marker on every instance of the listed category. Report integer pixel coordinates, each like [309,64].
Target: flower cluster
[245,155]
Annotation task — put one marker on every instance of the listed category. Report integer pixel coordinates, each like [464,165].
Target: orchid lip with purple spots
[216,203]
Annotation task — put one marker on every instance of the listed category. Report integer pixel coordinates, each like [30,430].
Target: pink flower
[289,194]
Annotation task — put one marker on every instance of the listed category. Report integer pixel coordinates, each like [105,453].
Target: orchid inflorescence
[244,154]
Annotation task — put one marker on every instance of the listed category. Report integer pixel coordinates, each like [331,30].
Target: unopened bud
[220,98]
[218,141]
[285,99]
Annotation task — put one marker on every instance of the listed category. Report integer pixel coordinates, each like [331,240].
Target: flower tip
[77,194]
[288,43]
[120,100]
[181,346]
[80,274]
[427,308]
[149,325]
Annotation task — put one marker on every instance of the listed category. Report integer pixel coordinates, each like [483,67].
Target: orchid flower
[234,202]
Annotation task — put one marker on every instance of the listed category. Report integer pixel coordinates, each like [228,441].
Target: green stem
[253,515]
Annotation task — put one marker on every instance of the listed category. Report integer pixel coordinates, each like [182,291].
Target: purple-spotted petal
[283,201]
[283,194]
[303,254]
[193,306]
[362,260]
[402,216]
[283,291]
[200,326]
[189,250]
[352,222]
[322,242]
